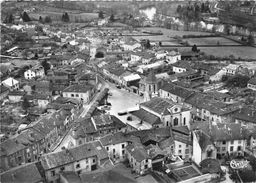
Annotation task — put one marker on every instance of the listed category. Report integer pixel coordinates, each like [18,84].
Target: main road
[121,100]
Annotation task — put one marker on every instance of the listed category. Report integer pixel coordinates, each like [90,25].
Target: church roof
[151,78]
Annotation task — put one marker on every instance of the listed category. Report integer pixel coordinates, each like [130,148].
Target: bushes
[199,36]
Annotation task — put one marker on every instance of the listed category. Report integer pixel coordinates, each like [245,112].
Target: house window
[146,166]
[179,151]
[232,142]
[80,142]
[72,95]
[53,173]
[107,148]
[231,148]
[184,121]
[93,160]
[218,149]
[123,145]
[77,95]
[146,161]
[175,121]
[19,158]
[239,148]
[114,150]
[223,142]
[78,165]
[123,152]
[223,148]
[179,146]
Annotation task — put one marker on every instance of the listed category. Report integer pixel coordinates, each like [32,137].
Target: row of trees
[48,19]
[192,12]
[10,18]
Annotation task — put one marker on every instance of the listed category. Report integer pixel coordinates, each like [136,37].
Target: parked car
[108,104]
[129,118]
[104,107]
[121,113]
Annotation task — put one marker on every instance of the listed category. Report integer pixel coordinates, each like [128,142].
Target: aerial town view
[128,91]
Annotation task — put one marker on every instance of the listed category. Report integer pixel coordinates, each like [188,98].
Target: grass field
[210,41]
[244,52]
[172,33]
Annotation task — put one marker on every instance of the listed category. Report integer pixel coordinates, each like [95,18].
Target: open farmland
[172,33]
[244,52]
[210,41]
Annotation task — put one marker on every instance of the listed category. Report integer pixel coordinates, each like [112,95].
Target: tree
[101,16]
[46,66]
[65,17]
[9,19]
[99,55]
[112,19]
[194,48]
[251,41]
[40,19]
[25,17]
[25,104]
[238,81]
[39,28]
[47,19]
[147,44]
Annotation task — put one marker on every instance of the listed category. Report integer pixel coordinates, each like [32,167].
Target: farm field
[210,41]
[172,33]
[244,52]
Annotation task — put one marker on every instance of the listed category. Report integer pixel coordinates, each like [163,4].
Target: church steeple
[151,86]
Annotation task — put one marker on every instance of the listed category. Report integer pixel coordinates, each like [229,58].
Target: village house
[130,45]
[203,147]
[182,142]
[33,141]
[29,173]
[180,67]
[114,73]
[205,107]
[139,159]
[81,92]
[131,80]
[246,116]
[16,96]
[36,71]
[89,129]
[11,83]
[161,54]
[163,112]
[83,158]
[231,69]
[252,84]
[173,57]
[216,75]
[43,86]
[174,92]
[228,138]
[115,144]
[4,91]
